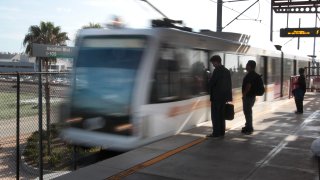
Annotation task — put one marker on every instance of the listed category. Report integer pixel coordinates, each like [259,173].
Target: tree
[92,25]
[45,33]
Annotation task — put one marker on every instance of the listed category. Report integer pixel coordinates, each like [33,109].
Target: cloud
[64,10]
[9,9]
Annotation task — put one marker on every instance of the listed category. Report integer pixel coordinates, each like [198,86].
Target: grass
[28,105]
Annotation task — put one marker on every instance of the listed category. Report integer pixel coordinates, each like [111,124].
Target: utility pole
[219,16]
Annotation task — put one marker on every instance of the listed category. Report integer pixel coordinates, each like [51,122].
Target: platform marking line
[152,161]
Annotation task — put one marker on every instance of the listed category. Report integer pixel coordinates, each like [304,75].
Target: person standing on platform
[249,85]
[220,90]
[299,91]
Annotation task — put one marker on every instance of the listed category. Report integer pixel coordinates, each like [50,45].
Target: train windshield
[105,71]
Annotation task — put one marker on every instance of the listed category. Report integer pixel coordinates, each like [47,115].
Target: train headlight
[123,127]
[74,120]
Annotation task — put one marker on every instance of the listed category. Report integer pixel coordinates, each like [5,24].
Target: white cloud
[64,10]
[9,9]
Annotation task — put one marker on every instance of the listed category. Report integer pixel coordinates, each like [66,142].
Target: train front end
[100,106]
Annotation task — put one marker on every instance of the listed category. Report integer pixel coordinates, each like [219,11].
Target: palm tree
[92,25]
[45,33]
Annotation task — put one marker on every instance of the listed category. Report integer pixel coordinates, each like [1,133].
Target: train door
[288,71]
[178,97]
[262,69]
[273,81]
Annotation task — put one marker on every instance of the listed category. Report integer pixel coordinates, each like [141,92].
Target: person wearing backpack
[252,85]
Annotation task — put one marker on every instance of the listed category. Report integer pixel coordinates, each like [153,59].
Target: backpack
[260,86]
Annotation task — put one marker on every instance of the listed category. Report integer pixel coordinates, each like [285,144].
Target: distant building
[24,63]
[62,65]
[15,63]
[20,58]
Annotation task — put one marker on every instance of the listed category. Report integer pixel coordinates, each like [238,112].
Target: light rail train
[135,86]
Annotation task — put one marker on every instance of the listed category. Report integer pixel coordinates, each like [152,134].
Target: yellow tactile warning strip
[150,162]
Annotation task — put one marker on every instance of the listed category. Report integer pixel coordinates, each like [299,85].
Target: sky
[16,16]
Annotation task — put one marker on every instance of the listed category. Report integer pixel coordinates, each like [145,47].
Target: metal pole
[287,20]
[48,114]
[219,16]
[314,46]
[271,24]
[281,74]
[18,128]
[299,37]
[40,121]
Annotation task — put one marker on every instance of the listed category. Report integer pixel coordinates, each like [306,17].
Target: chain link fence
[21,124]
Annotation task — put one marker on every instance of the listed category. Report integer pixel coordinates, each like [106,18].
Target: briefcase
[229,111]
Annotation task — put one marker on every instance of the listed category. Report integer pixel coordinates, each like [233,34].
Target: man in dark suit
[220,93]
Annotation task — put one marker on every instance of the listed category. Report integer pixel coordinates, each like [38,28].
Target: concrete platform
[279,149]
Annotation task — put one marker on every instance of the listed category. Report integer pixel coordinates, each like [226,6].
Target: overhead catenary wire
[241,14]
[256,19]
[155,8]
[230,8]
[249,18]
[231,1]
[143,7]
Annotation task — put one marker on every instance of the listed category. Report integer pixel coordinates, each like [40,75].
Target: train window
[274,71]
[166,81]
[287,72]
[232,63]
[303,64]
[237,66]
[105,75]
[274,75]
[114,42]
[198,69]
[180,73]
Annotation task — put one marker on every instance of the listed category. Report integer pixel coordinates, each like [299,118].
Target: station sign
[300,32]
[44,50]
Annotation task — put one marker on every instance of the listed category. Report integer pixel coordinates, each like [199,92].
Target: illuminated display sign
[300,32]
